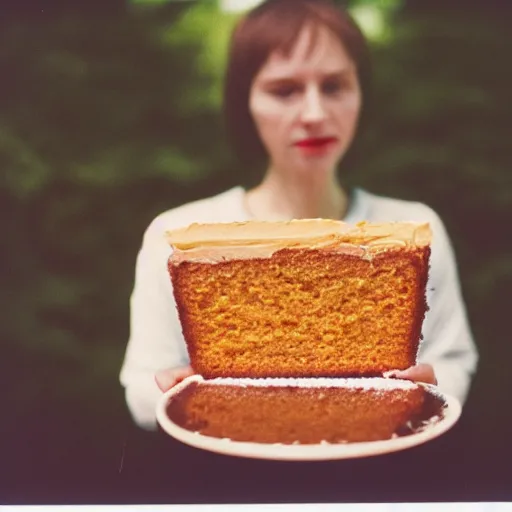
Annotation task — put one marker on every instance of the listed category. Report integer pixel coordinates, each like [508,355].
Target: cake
[305,298]
[290,326]
[304,411]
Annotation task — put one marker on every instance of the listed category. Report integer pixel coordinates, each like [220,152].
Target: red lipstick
[316,146]
[315,142]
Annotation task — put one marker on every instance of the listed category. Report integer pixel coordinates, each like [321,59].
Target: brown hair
[275,25]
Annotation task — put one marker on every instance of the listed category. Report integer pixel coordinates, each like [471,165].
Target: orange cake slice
[305,411]
[305,298]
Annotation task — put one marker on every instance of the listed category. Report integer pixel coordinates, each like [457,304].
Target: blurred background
[109,115]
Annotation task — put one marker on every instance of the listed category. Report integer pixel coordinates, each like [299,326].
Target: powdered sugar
[377,383]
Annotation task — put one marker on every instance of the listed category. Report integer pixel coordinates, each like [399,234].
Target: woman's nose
[313,110]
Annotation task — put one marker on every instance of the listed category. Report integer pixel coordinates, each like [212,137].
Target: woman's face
[306,105]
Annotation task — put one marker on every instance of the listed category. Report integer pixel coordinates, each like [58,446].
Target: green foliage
[374,18]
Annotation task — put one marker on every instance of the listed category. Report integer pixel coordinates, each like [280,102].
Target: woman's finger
[420,373]
[168,378]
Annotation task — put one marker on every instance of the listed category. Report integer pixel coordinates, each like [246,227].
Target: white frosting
[377,383]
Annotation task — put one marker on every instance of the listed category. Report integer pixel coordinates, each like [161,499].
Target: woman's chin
[315,168]
[307,169]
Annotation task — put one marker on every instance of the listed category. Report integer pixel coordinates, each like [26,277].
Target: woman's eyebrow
[285,80]
[341,74]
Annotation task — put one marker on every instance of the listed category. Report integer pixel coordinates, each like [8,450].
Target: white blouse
[156,341]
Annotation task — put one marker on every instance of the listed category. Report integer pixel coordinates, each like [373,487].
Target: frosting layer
[260,239]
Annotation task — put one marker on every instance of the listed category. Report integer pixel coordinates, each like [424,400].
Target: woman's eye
[285,91]
[332,87]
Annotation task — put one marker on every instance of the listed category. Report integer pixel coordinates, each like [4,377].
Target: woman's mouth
[316,145]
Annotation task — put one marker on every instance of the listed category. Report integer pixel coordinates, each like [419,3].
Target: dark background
[109,115]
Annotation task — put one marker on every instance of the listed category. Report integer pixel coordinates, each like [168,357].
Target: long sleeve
[448,343]
[156,341]
[447,340]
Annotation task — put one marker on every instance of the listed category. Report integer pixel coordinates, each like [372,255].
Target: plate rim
[298,452]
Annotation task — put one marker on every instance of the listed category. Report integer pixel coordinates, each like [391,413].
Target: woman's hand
[420,373]
[166,379]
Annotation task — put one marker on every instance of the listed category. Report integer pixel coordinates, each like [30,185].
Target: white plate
[308,452]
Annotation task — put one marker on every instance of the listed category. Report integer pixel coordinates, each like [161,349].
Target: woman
[295,94]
